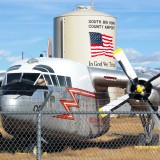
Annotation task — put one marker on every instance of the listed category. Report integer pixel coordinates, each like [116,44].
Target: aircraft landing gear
[34,149]
[147,138]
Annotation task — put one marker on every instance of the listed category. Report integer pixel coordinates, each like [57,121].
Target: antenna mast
[22,55]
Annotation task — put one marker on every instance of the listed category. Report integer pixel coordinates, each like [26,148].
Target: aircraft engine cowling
[150,92]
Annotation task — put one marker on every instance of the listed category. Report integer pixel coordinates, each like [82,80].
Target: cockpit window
[54,79]
[29,78]
[69,83]
[13,78]
[37,79]
[14,68]
[62,80]
[40,69]
[44,68]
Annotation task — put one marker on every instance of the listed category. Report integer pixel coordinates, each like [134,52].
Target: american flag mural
[101,44]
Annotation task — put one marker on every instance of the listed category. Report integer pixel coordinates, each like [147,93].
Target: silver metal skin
[99,78]
[29,100]
[87,93]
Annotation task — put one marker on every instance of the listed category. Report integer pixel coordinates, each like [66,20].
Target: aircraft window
[13,78]
[69,83]
[48,80]
[45,68]
[52,101]
[41,81]
[54,79]
[45,96]
[33,60]
[62,81]
[29,78]
[40,69]
[14,67]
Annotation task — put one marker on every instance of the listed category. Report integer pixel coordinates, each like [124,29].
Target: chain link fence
[56,135]
[34,138]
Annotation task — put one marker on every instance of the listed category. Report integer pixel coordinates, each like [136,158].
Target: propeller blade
[114,105]
[126,66]
[152,79]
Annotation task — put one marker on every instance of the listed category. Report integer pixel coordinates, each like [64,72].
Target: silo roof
[84,11]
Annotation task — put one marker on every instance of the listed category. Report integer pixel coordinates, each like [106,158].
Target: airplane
[61,85]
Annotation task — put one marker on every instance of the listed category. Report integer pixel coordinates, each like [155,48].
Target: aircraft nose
[21,103]
[9,102]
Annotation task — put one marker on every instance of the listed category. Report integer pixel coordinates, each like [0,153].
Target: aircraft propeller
[138,90]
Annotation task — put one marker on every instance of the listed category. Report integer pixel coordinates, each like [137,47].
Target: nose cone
[14,103]
[21,103]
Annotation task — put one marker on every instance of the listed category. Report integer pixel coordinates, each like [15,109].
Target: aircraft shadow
[13,146]
[125,140]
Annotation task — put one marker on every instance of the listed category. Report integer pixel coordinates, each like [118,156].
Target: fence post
[39,150]
[39,125]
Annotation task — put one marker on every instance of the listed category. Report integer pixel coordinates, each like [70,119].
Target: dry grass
[118,144]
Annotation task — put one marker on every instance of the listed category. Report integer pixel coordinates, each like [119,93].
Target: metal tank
[86,36]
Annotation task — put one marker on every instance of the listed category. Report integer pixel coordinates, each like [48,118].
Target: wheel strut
[148,138]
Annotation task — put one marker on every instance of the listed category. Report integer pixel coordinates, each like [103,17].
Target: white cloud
[4,53]
[138,59]
[7,55]
[154,57]
[14,59]
[132,54]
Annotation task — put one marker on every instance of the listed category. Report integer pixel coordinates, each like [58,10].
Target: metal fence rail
[120,142]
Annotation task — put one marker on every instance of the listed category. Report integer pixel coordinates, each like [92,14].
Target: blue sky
[25,26]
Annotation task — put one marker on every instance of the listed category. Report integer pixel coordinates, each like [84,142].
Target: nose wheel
[147,138]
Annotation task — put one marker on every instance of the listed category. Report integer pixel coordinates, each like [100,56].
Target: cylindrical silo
[86,36]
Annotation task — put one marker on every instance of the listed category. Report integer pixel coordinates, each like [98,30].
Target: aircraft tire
[141,140]
[155,139]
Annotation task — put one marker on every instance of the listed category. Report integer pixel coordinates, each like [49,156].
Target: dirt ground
[120,143]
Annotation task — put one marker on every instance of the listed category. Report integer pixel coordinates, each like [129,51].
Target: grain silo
[86,36]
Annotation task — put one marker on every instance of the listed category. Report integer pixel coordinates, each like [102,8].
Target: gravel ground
[120,143]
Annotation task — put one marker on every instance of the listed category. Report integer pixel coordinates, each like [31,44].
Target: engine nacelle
[139,101]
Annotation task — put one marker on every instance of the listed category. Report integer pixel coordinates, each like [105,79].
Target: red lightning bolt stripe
[73,103]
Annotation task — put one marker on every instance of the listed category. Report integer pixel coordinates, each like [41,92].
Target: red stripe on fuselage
[73,103]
